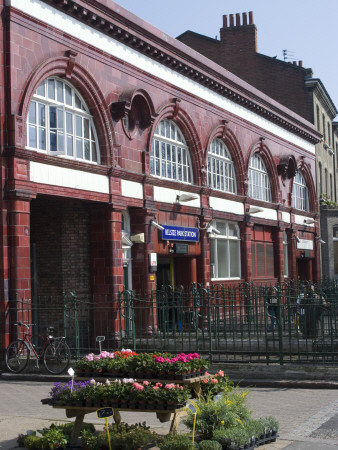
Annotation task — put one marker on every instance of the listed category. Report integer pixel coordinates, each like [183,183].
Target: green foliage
[228,412]
[177,442]
[235,436]
[33,442]
[54,438]
[209,445]
[90,440]
[325,201]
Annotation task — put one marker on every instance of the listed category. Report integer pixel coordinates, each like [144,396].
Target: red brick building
[112,130]
[292,85]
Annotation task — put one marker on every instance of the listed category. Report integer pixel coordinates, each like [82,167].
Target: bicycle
[54,353]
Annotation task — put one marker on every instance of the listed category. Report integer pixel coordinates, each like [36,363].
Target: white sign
[305,244]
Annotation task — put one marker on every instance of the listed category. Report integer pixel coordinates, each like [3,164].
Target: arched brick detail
[306,172]
[87,87]
[223,133]
[264,152]
[176,113]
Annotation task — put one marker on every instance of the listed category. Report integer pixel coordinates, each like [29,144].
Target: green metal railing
[225,324]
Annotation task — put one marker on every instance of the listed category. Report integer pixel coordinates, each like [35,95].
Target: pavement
[308,416]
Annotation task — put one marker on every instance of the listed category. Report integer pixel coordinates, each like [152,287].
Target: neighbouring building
[130,161]
[290,84]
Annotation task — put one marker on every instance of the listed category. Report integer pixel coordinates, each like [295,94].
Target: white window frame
[214,238]
[76,137]
[300,196]
[221,171]
[259,182]
[170,157]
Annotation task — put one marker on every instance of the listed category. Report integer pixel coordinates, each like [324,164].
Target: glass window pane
[69,123]
[51,89]
[86,128]
[41,89]
[79,152]
[32,113]
[52,141]
[60,119]
[78,126]
[87,150]
[52,117]
[32,137]
[59,91]
[42,139]
[222,258]
[335,252]
[77,102]
[42,114]
[68,94]
[60,142]
[234,258]
[69,145]
[94,154]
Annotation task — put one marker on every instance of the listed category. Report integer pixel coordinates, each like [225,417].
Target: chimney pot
[300,63]
[231,20]
[251,19]
[225,21]
[294,63]
[245,18]
[238,20]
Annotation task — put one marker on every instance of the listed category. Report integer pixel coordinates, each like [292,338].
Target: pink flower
[159,385]
[138,386]
[214,381]
[206,373]
[90,357]
[159,359]
[155,388]
[205,381]
[221,373]
[169,386]
[145,383]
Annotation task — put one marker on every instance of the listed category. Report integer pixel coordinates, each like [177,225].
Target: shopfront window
[59,123]
[221,173]
[335,249]
[285,249]
[262,253]
[170,157]
[225,251]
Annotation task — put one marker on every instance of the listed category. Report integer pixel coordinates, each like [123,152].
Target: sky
[307,29]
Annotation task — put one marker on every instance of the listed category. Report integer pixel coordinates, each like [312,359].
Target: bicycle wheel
[17,356]
[56,357]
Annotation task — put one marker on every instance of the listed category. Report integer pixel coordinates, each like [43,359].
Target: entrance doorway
[165,275]
[304,269]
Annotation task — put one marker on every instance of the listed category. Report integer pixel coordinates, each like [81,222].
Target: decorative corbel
[225,127]
[119,109]
[177,102]
[71,62]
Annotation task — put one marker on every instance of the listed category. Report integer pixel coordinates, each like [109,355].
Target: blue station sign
[172,233]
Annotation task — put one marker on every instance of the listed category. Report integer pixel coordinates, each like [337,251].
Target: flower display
[142,365]
[214,384]
[126,390]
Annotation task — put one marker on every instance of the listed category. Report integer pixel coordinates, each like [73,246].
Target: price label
[104,412]
[192,408]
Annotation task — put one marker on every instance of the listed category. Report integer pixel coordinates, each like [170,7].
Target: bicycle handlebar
[27,325]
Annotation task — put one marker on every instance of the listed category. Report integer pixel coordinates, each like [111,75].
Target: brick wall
[59,229]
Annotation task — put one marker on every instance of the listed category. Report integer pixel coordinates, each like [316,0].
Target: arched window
[170,156]
[59,123]
[221,173]
[300,199]
[259,183]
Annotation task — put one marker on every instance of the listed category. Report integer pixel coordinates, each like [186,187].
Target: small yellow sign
[152,277]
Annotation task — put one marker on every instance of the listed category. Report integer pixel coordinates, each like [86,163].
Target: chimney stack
[239,37]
